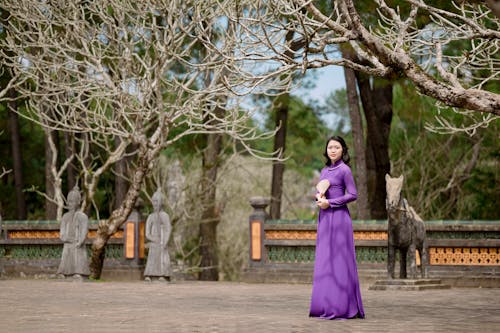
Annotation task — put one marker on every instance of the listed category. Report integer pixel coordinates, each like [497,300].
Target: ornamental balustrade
[286,245]
[40,240]
[451,242]
[463,247]
[34,247]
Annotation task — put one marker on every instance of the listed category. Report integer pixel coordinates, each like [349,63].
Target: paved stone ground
[70,306]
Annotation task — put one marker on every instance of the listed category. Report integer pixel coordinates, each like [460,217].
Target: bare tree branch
[4,172]
[452,58]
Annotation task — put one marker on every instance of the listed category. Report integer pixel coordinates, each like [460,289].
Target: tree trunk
[17,160]
[50,206]
[85,164]
[363,207]
[281,106]
[210,217]
[120,180]
[69,149]
[377,106]
[107,228]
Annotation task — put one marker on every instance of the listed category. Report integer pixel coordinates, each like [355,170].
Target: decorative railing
[287,243]
[36,240]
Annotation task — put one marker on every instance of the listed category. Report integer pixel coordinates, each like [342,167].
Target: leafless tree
[17,160]
[126,69]
[452,58]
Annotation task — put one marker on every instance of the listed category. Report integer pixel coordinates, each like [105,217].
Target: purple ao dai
[336,293]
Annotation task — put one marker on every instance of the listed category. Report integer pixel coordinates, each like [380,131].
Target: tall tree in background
[211,162]
[280,110]
[210,216]
[371,156]
[363,204]
[6,79]
[376,96]
[17,164]
[281,106]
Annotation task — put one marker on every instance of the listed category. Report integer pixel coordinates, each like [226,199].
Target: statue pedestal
[408,284]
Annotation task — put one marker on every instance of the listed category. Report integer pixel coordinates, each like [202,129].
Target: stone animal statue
[406,231]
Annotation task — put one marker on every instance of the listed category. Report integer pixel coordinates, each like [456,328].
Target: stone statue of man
[158,230]
[73,231]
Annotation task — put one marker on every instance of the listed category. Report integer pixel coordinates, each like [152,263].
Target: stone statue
[406,231]
[73,232]
[158,230]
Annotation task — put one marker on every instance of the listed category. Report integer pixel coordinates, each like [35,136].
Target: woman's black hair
[345,150]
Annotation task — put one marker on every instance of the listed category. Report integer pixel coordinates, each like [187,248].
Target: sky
[328,79]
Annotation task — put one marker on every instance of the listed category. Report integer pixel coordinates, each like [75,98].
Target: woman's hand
[323,203]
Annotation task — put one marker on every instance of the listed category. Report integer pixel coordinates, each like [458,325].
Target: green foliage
[33,167]
[336,104]
[429,161]
[306,135]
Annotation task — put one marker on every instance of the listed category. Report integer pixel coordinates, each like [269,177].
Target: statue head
[74,198]
[393,187]
[157,200]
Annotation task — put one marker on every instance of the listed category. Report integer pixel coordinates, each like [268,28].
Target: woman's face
[334,150]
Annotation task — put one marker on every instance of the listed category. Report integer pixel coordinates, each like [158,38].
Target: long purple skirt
[335,292]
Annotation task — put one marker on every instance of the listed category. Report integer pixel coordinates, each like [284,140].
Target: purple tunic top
[335,292]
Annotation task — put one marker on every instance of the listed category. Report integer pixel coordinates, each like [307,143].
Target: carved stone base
[408,284]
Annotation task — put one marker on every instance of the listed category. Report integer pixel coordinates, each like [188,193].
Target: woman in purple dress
[335,292]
